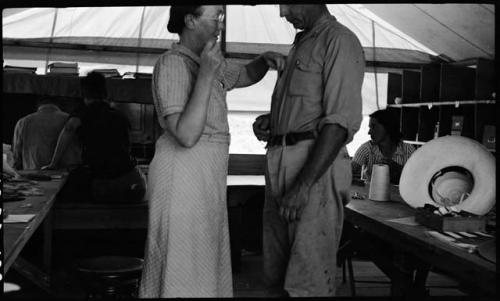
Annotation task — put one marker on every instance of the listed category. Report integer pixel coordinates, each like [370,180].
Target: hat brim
[445,152]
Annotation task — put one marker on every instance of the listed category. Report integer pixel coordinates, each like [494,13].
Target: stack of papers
[18,218]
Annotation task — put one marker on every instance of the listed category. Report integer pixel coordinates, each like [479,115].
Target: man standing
[315,112]
[35,138]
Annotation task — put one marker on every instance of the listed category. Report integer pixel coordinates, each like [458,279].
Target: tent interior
[125,40]
[130,38]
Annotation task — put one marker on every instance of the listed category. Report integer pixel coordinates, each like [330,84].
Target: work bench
[406,253]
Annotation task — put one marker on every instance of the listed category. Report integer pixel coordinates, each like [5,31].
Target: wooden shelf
[456,98]
[442,103]
[415,142]
[424,142]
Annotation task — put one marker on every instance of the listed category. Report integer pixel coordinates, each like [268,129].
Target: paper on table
[18,218]
[10,287]
[409,220]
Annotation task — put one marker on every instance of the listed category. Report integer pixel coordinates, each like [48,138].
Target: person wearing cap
[315,111]
[385,147]
[35,138]
[187,250]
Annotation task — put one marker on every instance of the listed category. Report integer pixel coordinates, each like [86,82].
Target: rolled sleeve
[231,74]
[343,77]
[172,85]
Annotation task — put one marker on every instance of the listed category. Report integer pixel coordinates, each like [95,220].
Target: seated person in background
[109,173]
[35,138]
[385,147]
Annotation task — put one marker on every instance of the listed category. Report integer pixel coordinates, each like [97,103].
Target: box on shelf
[489,136]
[457,124]
[450,223]
[137,75]
[63,68]
[108,72]
[18,69]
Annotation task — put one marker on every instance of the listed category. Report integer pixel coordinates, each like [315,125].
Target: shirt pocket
[306,80]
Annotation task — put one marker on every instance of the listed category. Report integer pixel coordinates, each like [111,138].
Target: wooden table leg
[408,275]
[47,243]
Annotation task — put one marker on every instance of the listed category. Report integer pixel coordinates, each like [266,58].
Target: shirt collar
[48,108]
[186,51]
[315,30]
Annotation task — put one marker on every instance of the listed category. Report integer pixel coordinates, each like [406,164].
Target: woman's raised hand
[211,57]
[274,60]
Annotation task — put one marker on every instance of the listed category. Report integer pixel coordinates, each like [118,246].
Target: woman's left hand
[274,60]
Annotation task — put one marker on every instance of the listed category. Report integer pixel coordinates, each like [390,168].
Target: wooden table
[16,235]
[412,251]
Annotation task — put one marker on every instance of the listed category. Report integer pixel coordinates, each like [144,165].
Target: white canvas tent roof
[143,30]
[457,31]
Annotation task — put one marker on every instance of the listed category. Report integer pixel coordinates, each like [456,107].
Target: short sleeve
[172,84]
[343,77]
[362,154]
[231,73]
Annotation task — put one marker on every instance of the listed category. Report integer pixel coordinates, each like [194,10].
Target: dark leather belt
[290,138]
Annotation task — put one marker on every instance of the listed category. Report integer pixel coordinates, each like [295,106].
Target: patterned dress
[187,250]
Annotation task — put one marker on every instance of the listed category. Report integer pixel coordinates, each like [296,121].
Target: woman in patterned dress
[187,250]
[385,146]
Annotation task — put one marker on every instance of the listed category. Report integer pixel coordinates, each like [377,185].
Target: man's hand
[262,127]
[293,203]
[274,60]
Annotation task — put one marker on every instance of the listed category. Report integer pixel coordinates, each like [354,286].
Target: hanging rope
[51,39]
[375,64]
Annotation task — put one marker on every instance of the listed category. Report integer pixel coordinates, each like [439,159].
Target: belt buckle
[290,139]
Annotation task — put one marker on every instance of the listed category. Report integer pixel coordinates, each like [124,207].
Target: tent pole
[51,40]
[141,25]
[223,33]
[374,66]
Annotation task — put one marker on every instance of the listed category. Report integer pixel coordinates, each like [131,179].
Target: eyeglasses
[219,18]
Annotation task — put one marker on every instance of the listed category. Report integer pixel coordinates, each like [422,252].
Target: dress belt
[290,138]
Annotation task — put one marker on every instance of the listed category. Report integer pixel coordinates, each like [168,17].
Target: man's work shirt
[35,138]
[321,83]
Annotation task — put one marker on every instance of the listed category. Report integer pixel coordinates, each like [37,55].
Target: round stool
[110,276]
